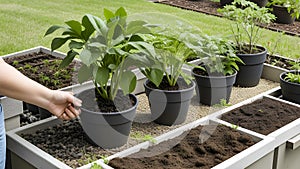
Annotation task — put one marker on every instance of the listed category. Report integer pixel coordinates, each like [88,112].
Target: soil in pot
[263,116]
[192,151]
[212,89]
[250,72]
[169,104]
[44,69]
[114,122]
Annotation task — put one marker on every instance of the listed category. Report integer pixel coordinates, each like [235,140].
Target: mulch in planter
[192,151]
[210,7]
[67,143]
[263,116]
[44,69]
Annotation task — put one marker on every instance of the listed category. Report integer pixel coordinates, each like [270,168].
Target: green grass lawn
[24,22]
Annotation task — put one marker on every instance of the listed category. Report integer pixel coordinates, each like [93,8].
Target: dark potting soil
[66,142]
[164,85]
[210,7]
[281,62]
[44,69]
[121,102]
[192,151]
[263,116]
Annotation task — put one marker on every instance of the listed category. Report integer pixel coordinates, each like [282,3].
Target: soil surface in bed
[263,116]
[202,147]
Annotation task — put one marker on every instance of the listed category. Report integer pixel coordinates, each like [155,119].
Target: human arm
[15,85]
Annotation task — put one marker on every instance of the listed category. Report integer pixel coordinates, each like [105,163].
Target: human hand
[64,105]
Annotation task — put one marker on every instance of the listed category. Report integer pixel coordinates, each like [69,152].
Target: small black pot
[107,130]
[169,107]
[282,15]
[211,89]
[290,91]
[249,74]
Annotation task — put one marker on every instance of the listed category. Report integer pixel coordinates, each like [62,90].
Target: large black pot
[169,107]
[107,130]
[282,15]
[290,91]
[250,72]
[212,89]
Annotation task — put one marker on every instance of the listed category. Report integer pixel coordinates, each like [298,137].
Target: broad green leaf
[108,14]
[75,45]
[102,76]
[68,59]
[75,25]
[98,24]
[85,57]
[88,28]
[58,42]
[121,12]
[53,29]
[71,33]
[137,27]
[84,73]
[155,76]
[128,82]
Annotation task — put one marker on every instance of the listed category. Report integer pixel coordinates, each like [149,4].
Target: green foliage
[246,15]
[96,166]
[140,137]
[218,55]
[235,127]
[293,77]
[171,54]
[293,6]
[106,48]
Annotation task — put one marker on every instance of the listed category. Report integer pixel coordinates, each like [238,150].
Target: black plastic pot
[212,89]
[250,73]
[169,107]
[282,15]
[290,91]
[107,130]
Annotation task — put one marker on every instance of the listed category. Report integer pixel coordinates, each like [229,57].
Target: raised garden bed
[201,147]
[210,7]
[142,126]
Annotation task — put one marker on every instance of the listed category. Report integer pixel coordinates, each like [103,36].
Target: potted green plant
[246,34]
[286,11]
[105,48]
[216,75]
[169,89]
[290,85]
